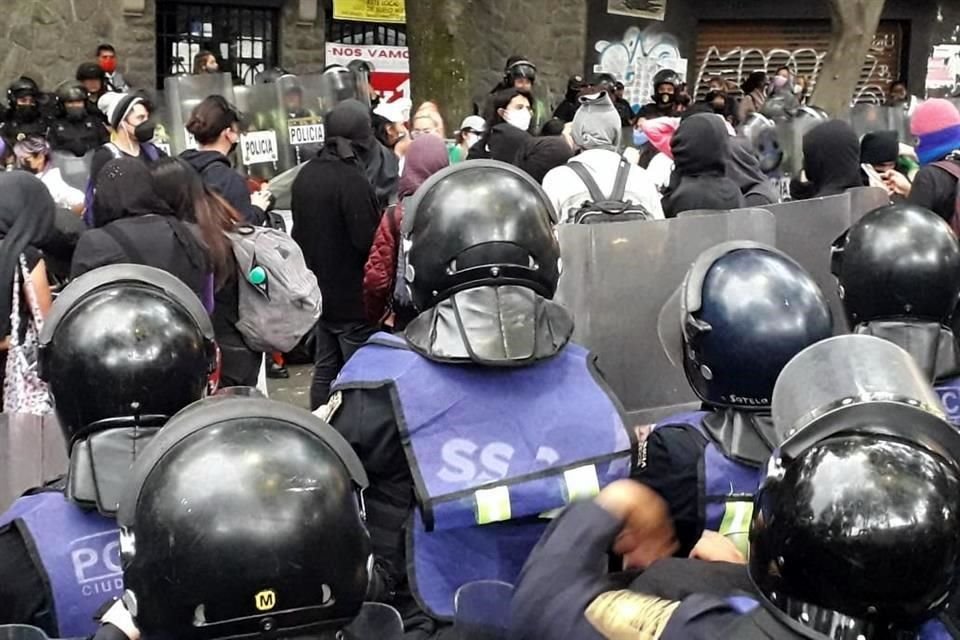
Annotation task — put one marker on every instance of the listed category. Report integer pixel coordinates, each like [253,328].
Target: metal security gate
[245,39]
[734,49]
[349,32]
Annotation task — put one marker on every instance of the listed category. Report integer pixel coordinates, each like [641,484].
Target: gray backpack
[279,296]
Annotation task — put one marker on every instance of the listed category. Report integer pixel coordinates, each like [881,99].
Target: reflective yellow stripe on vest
[493,505]
[736,524]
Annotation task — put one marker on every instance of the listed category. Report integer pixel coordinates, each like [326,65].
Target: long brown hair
[181,186]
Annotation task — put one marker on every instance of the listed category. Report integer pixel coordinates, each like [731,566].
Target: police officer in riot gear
[743,311]
[94,80]
[23,117]
[667,84]
[124,348]
[898,275]
[76,130]
[458,400]
[518,73]
[855,534]
[190,534]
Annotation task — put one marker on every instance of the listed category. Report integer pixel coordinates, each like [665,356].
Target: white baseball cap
[396,111]
[474,123]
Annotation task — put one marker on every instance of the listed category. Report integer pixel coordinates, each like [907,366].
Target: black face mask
[145,131]
[75,114]
[27,112]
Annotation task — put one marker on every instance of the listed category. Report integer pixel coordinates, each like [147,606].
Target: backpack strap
[584,174]
[126,244]
[114,150]
[620,184]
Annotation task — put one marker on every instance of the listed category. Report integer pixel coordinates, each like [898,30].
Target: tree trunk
[854,24]
[438,34]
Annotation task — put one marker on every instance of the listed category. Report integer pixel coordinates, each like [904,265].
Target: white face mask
[519,118]
[471,139]
[797,89]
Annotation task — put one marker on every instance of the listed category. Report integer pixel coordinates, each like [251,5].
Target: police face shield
[763,137]
[182,94]
[339,84]
[861,385]
[617,277]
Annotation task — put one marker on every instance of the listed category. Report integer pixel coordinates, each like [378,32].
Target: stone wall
[48,39]
[551,33]
[303,46]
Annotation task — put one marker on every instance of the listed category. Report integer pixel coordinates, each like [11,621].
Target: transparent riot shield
[21,632]
[339,84]
[182,94]
[303,103]
[870,118]
[790,133]
[32,452]
[161,115]
[482,610]
[806,230]
[264,150]
[858,383]
[615,280]
[75,171]
[863,200]
[375,622]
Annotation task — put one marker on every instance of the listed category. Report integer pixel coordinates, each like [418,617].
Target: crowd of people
[458,436]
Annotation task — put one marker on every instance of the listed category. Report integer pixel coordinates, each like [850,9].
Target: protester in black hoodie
[831,161]
[701,150]
[335,216]
[215,125]
[134,225]
[571,102]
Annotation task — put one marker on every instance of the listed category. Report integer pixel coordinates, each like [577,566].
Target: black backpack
[612,208]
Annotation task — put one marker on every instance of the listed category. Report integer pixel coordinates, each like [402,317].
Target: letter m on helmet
[265,600]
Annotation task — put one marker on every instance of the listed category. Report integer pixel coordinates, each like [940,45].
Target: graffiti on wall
[636,58]
[736,64]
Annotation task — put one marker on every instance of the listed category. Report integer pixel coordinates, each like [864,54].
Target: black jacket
[335,215]
[936,190]
[78,137]
[215,169]
[176,251]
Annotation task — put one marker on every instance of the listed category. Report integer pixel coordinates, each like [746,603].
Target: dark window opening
[244,39]
[348,32]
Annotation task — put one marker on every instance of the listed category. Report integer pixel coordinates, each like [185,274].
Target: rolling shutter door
[735,49]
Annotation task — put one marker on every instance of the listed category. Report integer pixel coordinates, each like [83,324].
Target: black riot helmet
[666,76]
[519,67]
[743,311]
[71,93]
[124,345]
[21,87]
[858,537]
[898,262]
[483,223]
[244,518]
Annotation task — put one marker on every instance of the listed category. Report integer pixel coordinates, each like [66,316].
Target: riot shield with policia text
[617,277]
[263,148]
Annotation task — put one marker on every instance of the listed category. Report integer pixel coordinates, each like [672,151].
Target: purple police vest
[949,392]
[490,451]
[78,553]
[726,486]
